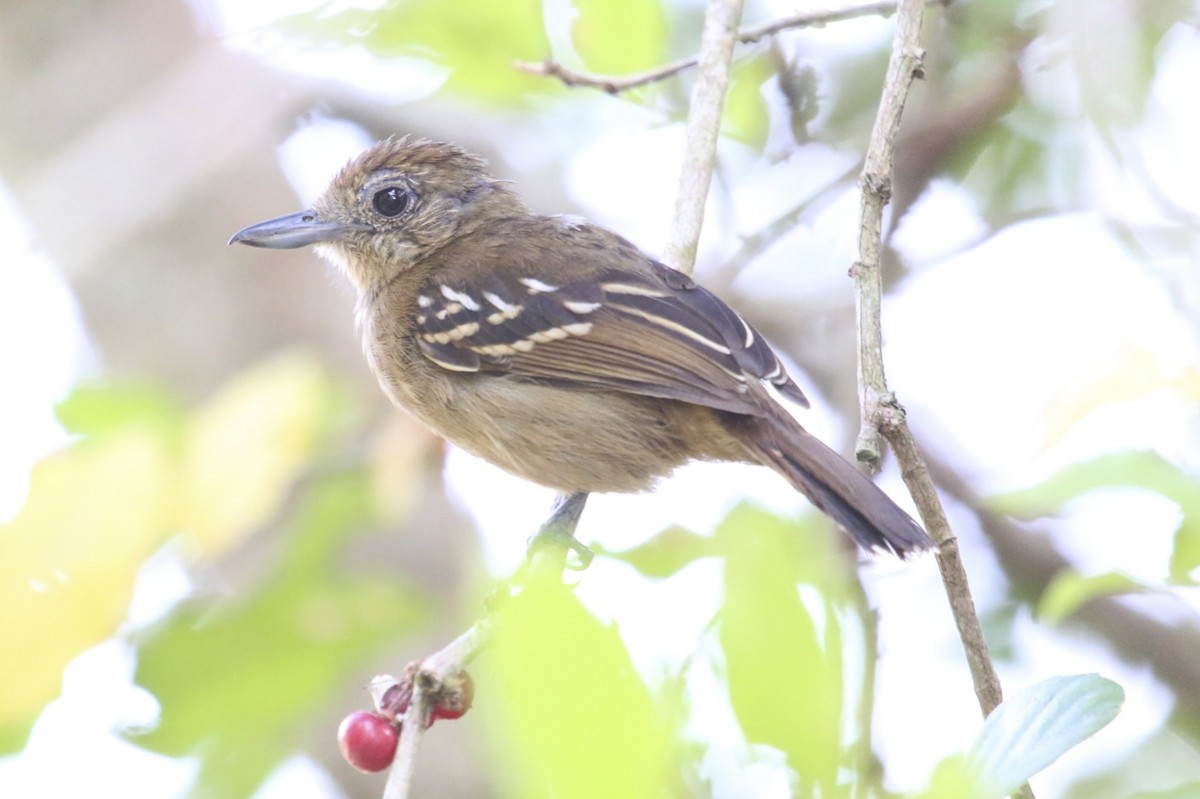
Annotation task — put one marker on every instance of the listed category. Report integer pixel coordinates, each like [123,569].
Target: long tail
[832,484]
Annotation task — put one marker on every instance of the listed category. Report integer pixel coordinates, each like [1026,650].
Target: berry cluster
[368,739]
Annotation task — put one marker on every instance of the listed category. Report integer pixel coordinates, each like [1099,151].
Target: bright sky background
[965,336]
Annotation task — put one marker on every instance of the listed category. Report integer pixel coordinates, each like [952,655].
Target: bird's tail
[832,484]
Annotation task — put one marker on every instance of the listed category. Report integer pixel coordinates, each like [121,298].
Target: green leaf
[783,656]
[665,553]
[1130,374]
[477,41]
[618,36]
[1069,590]
[952,779]
[576,718]
[1143,469]
[745,116]
[94,409]
[1007,166]
[236,680]
[1031,730]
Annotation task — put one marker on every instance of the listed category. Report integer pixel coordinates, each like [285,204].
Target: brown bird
[554,348]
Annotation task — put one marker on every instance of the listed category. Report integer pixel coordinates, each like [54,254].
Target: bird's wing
[649,330]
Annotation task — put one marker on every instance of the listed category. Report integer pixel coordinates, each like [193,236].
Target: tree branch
[878,407]
[1167,646]
[881,413]
[430,676]
[758,242]
[548,551]
[614,84]
[703,128]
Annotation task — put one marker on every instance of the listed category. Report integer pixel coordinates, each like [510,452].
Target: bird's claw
[555,536]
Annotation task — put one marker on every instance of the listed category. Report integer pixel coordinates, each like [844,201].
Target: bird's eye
[390,201]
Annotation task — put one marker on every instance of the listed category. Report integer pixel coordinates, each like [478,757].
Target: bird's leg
[559,529]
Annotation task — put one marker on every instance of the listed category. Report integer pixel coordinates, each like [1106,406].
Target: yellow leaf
[1132,374]
[401,461]
[69,558]
[244,449]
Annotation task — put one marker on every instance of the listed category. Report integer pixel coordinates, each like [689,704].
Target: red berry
[454,699]
[367,741]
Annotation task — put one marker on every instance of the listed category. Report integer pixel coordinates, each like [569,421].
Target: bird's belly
[567,440]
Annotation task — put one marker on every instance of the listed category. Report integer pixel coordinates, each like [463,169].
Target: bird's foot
[559,532]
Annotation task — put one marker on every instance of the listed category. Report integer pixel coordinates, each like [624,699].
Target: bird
[556,349]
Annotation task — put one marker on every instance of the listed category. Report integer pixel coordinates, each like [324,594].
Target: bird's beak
[294,230]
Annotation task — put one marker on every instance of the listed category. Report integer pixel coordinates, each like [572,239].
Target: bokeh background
[217,531]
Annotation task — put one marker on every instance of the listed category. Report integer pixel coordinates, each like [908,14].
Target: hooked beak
[294,230]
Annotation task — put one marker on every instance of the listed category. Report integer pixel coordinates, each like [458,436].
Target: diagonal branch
[1030,559]
[881,413]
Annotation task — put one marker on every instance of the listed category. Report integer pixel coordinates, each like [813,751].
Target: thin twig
[881,413]
[756,243]
[703,128]
[876,184]
[614,84]
[433,671]
[547,560]
[400,777]
[808,19]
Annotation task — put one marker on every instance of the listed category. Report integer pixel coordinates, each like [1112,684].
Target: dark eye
[390,201]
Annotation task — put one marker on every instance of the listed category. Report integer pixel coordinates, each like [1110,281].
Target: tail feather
[834,486]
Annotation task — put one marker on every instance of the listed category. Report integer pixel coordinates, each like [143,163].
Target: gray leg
[559,529]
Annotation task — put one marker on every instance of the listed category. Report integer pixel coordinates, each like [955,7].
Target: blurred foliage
[745,115]
[1159,767]
[1026,733]
[1145,470]
[789,593]
[572,715]
[68,560]
[952,779]
[1133,374]
[1069,590]
[572,705]
[665,553]
[479,44]
[784,646]
[476,44]
[267,421]
[236,678]
[145,471]
[619,36]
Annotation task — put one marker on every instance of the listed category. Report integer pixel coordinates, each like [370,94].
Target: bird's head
[390,207]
